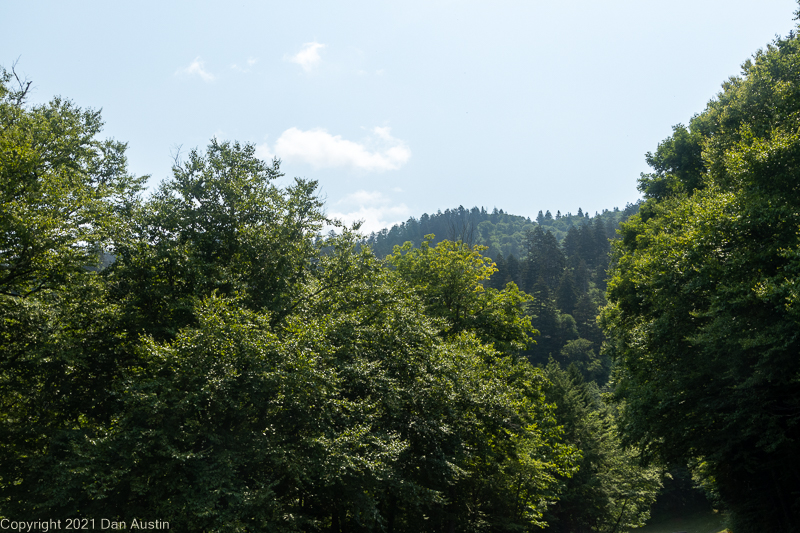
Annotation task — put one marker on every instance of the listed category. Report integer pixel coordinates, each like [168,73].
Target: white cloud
[308,57]
[372,208]
[250,62]
[322,150]
[363,197]
[263,152]
[197,67]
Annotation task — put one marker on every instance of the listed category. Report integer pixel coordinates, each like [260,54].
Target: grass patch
[692,522]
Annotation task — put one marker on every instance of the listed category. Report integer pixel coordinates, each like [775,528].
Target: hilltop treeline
[502,233]
[560,260]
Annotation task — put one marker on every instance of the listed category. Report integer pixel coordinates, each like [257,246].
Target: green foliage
[703,314]
[449,279]
[233,370]
[500,232]
[65,194]
[678,166]
[219,225]
[611,491]
[581,354]
[62,191]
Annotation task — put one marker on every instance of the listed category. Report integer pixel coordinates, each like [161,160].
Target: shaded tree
[702,315]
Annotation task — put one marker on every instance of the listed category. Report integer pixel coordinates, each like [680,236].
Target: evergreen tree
[544,257]
[585,314]
[587,245]
[581,275]
[566,293]
[497,281]
[513,271]
[602,245]
[571,243]
[610,491]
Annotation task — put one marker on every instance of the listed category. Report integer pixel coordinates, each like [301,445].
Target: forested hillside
[561,261]
[502,233]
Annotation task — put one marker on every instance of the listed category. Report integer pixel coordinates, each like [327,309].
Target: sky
[399,108]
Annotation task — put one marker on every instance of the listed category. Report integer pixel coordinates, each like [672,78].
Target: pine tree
[512,270]
[545,257]
[566,294]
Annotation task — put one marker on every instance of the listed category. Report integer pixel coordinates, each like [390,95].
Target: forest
[210,354]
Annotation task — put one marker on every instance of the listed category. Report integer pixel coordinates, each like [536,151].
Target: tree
[545,257]
[610,491]
[236,370]
[566,293]
[63,191]
[497,281]
[65,195]
[580,353]
[514,271]
[373,418]
[703,313]
[678,165]
[450,277]
[219,225]
[585,314]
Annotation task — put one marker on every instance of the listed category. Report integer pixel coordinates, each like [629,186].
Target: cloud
[320,149]
[197,67]
[308,57]
[264,152]
[372,208]
[250,62]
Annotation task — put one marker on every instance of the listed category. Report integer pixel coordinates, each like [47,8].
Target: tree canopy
[235,370]
[703,314]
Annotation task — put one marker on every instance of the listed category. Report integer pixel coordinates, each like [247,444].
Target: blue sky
[400,108]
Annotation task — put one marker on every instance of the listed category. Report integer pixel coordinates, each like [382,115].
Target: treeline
[236,370]
[560,260]
[502,233]
[567,281]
